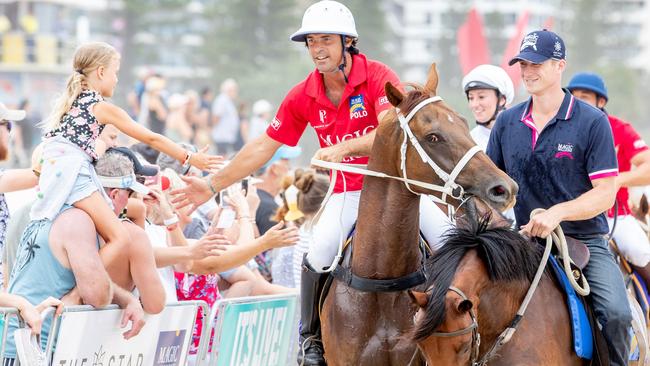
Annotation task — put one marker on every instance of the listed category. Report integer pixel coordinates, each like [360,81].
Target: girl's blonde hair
[87,58]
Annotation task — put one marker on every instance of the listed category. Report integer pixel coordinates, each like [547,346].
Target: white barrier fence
[258,330]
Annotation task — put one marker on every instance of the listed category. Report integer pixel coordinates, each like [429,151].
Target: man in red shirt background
[631,151]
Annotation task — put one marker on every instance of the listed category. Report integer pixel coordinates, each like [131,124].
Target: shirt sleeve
[378,89]
[289,123]
[494,144]
[600,154]
[631,142]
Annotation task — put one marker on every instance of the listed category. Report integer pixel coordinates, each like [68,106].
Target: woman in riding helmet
[489,90]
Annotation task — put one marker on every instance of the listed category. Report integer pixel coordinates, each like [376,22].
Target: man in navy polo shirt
[560,151]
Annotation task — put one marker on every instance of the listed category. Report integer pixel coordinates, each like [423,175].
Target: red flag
[549,23]
[472,45]
[513,49]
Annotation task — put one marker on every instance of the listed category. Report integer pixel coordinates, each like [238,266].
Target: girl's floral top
[79,125]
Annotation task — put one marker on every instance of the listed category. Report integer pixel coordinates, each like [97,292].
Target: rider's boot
[311,347]
[644,272]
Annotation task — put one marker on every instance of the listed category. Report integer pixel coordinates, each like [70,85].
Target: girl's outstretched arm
[108,113]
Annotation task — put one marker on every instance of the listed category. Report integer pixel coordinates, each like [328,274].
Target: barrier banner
[256,331]
[95,338]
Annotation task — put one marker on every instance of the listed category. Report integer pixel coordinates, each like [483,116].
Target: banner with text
[256,331]
[95,338]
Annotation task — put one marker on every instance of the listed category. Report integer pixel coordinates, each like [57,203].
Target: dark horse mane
[507,255]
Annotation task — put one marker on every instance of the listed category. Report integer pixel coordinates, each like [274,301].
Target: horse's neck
[386,241]
[507,297]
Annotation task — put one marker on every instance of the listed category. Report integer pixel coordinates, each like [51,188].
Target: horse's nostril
[498,191]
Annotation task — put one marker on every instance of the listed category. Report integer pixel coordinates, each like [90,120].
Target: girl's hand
[205,161]
[253,199]
[237,199]
[277,237]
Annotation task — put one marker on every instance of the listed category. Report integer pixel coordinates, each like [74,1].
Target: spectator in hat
[20,179]
[50,264]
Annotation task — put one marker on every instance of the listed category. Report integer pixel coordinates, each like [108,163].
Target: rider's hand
[542,224]
[194,194]
[206,162]
[333,154]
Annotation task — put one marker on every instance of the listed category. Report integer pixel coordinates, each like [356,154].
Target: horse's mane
[507,255]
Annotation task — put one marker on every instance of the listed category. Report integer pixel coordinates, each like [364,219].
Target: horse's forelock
[413,97]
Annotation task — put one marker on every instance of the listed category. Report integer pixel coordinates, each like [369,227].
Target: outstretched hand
[277,237]
[206,162]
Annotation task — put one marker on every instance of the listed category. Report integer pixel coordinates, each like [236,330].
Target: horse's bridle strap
[362,170]
[470,328]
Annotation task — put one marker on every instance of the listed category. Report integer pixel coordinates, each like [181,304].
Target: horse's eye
[432,137]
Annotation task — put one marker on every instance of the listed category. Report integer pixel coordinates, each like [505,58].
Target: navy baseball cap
[138,167]
[539,46]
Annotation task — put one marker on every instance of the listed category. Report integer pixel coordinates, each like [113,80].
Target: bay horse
[479,278]
[367,328]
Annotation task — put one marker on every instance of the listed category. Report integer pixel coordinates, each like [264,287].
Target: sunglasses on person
[6,123]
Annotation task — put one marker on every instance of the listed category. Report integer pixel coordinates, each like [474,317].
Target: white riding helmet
[327,16]
[490,77]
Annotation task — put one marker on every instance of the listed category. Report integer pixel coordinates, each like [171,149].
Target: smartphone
[221,199]
[225,221]
[244,186]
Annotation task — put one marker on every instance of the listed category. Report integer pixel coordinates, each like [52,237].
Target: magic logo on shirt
[357,107]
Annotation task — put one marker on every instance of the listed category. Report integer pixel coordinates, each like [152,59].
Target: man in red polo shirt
[631,150]
[343,100]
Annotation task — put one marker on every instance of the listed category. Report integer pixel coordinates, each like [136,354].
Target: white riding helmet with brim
[329,17]
[490,77]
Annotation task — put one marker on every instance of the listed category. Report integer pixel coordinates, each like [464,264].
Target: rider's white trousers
[340,214]
[631,240]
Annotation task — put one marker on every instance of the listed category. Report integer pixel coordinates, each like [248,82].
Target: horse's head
[454,350]
[479,266]
[444,137]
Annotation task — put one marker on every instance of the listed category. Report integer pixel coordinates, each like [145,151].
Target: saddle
[578,252]
[588,341]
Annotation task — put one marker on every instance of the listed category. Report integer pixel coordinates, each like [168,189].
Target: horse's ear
[421,299]
[464,306]
[432,80]
[393,94]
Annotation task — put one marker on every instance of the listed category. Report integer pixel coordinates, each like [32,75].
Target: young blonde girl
[67,175]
